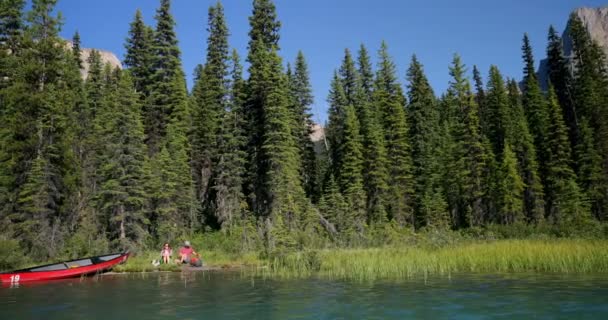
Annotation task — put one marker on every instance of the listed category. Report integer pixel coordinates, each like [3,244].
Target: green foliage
[469,155]
[425,135]
[351,177]
[511,188]
[571,256]
[139,54]
[535,106]
[389,100]
[565,201]
[523,145]
[302,99]
[126,159]
[11,255]
[209,104]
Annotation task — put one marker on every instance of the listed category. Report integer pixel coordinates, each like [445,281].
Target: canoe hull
[71,270]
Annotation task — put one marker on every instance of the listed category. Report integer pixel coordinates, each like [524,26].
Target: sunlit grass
[553,256]
[142,262]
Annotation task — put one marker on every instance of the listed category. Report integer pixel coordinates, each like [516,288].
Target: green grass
[559,256]
[142,262]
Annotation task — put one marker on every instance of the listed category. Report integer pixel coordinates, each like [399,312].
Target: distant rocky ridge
[596,22]
[106,57]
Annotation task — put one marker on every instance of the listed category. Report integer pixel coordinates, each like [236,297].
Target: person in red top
[186,252]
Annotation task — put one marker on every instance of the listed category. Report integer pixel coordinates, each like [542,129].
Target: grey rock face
[107,57]
[596,22]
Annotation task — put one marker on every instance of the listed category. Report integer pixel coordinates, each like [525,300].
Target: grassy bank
[142,262]
[563,256]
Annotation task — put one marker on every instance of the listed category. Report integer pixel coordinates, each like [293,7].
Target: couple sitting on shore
[187,255]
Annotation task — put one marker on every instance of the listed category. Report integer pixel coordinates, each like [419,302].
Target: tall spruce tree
[497,115]
[511,187]
[166,67]
[121,191]
[522,142]
[430,204]
[470,157]
[351,177]
[263,37]
[301,92]
[561,79]
[565,203]
[230,204]
[590,98]
[374,145]
[278,195]
[139,55]
[209,104]
[535,105]
[590,175]
[40,106]
[390,101]
[335,127]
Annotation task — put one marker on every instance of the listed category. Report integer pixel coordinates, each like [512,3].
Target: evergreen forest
[127,158]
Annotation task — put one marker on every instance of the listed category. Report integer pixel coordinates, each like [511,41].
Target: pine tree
[209,104]
[285,192]
[589,95]
[366,73]
[430,204]
[564,199]
[263,37]
[535,106]
[76,50]
[523,145]
[335,127]
[31,224]
[590,176]
[480,93]
[497,115]
[389,99]
[139,55]
[469,157]
[11,29]
[351,178]
[511,189]
[166,65]
[301,92]
[561,79]
[121,192]
[375,162]
[350,79]
[41,105]
[277,194]
[230,203]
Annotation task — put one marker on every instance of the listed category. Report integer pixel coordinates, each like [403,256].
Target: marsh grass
[503,256]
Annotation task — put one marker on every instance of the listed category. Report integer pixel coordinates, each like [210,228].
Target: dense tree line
[128,158]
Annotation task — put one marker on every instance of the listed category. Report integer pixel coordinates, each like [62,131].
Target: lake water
[235,296]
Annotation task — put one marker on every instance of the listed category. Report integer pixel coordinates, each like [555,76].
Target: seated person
[166,253]
[186,252]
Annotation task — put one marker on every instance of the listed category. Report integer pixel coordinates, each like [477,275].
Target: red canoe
[68,269]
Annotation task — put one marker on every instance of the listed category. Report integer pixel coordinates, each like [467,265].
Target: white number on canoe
[15,278]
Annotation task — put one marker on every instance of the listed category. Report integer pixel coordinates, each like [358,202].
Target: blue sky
[483,32]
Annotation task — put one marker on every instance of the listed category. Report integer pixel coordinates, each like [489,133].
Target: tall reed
[559,256]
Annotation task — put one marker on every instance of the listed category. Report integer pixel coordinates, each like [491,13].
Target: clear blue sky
[483,32]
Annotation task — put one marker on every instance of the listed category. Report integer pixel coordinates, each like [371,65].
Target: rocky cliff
[596,22]
[107,57]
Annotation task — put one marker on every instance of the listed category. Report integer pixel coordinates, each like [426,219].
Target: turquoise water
[234,296]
